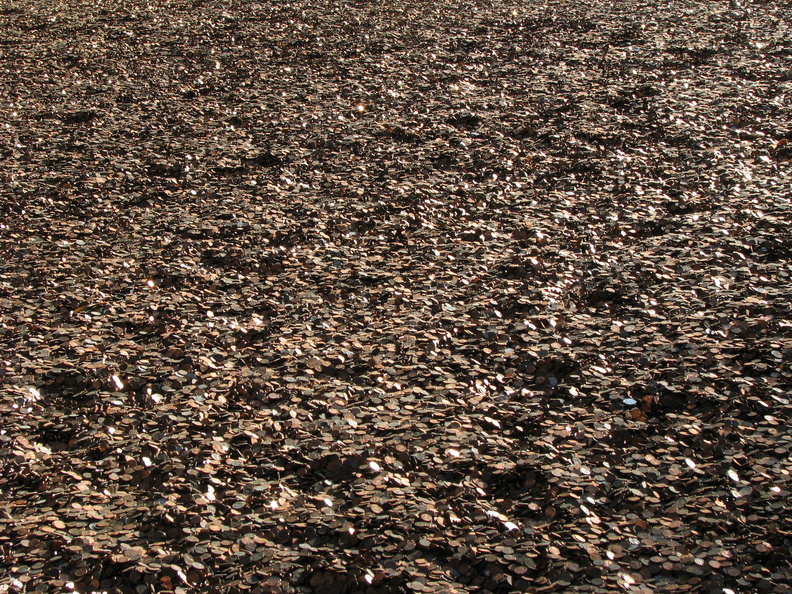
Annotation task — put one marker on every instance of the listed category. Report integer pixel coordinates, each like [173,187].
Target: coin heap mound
[395,296]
